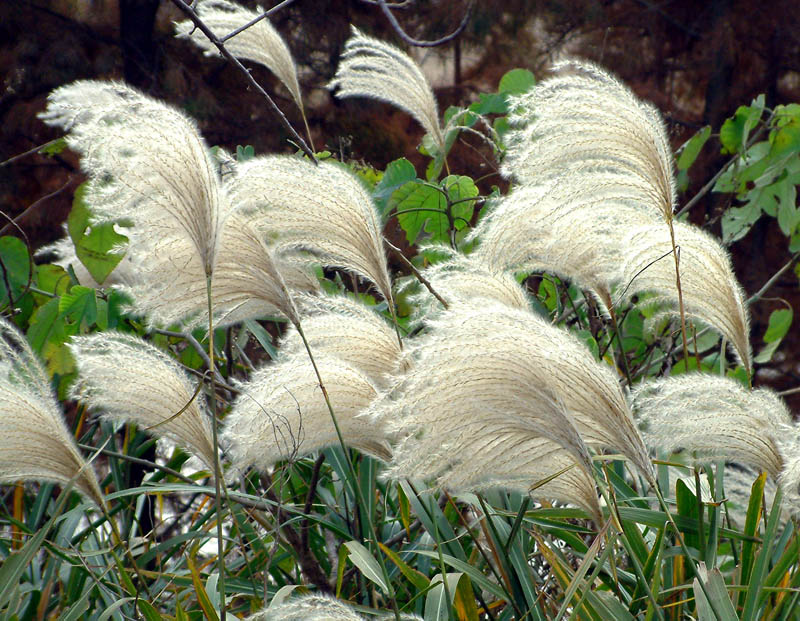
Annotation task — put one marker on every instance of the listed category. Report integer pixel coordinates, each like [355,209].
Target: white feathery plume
[281,413]
[34,440]
[317,608]
[374,69]
[340,327]
[714,416]
[567,226]
[125,379]
[496,361]
[467,278]
[586,119]
[323,209]
[260,42]
[711,293]
[148,163]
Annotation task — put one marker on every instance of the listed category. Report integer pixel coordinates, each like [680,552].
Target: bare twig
[30,208]
[253,22]
[757,295]
[386,8]
[416,272]
[295,137]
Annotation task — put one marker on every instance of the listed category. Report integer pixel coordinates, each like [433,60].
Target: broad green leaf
[516,82]
[93,243]
[245,153]
[779,323]
[736,221]
[786,140]
[691,148]
[490,103]
[460,188]
[52,278]
[369,566]
[788,214]
[79,305]
[54,147]
[418,203]
[398,173]
[15,268]
[46,326]
[734,131]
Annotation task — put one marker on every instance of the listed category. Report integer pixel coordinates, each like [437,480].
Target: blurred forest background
[697,60]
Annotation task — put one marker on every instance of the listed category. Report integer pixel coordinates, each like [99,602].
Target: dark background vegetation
[696,60]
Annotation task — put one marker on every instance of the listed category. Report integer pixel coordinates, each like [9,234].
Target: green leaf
[779,323]
[148,612]
[717,594]
[369,566]
[734,131]
[398,173]
[93,244]
[15,269]
[737,221]
[418,579]
[460,589]
[420,203]
[52,278]
[788,214]
[516,82]
[46,326]
[786,140]
[79,305]
[54,147]
[244,153]
[691,148]
[490,103]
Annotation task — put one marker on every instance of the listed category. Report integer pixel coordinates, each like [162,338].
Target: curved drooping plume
[568,226]
[125,379]
[280,413]
[462,372]
[711,293]
[714,416]
[467,278]
[148,164]
[317,608]
[34,440]
[374,69]
[322,209]
[340,327]
[260,42]
[585,119]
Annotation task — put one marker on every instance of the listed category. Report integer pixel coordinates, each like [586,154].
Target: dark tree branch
[200,25]
[253,22]
[416,42]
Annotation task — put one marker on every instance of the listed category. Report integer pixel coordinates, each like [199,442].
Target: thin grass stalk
[611,502]
[685,550]
[217,467]
[353,478]
[680,305]
[625,365]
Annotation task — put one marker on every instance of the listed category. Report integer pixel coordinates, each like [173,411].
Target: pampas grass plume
[260,42]
[280,413]
[374,69]
[317,608]
[34,440]
[126,379]
[322,209]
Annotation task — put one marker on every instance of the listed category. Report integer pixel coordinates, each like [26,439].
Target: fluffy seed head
[340,327]
[321,209]
[281,413]
[374,69]
[711,293]
[34,440]
[260,42]
[714,416]
[497,363]
[125,379]
[585,119]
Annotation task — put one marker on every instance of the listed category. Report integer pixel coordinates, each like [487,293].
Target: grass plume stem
[352,473]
